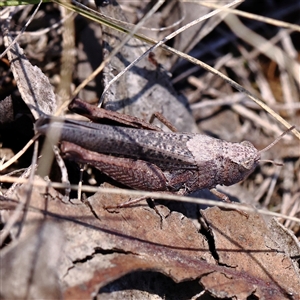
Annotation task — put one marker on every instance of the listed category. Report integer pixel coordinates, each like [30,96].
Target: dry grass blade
[270,50]
[19,154]
[101,67]
[154,195]
[21,32]
[162,42]
[254,16]
[198,63]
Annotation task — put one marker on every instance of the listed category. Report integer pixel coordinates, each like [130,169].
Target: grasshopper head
[240,162]
[252,158]
[244,158]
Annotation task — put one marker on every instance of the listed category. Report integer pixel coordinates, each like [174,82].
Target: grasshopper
[141,156]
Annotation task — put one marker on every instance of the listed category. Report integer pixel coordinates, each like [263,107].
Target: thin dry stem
[153,195]
[19,154]
[206,67]
[111,55]
[263,19]
[22,30]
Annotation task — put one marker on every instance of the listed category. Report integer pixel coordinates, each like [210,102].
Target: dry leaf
[137,238]
[240,244]
[29,266]
[103,245]
[33,85]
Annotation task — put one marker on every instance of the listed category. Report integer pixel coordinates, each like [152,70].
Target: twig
[153,195]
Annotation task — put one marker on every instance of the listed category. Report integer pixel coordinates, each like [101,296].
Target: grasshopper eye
[247,164]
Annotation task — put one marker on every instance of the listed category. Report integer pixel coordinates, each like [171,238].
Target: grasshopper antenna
[274,143]
[277,140]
